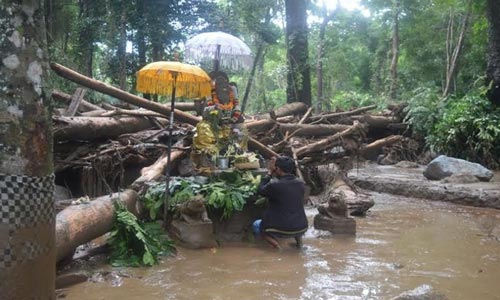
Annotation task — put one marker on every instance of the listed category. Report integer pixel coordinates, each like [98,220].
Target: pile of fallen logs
[106,144]
[100,149]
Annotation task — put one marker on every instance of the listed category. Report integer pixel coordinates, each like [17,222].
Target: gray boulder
[444,166]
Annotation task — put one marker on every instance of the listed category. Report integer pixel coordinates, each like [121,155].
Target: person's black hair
[286,164]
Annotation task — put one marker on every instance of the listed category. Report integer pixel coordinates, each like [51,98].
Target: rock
[444,166]
[335,224]
[460,178]
[423,292]
[193,235]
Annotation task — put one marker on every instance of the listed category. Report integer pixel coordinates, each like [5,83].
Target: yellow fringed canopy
[159,78]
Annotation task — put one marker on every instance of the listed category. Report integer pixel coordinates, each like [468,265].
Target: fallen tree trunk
[121,95]
[76,99]
[325,143]
[78,224]
[289,109]
[132,112]
[66,98]
[371,150]
[376,121]
[86,106]
[260,125]
[157,169]
[141,102]
[91,128]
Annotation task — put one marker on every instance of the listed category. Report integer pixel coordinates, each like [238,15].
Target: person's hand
[271,167]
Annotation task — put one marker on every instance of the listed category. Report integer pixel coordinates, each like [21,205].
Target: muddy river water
[401,244]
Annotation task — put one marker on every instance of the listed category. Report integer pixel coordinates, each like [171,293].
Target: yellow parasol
[162,77]
[175,78]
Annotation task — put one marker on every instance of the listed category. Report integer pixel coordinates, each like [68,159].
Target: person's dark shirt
[285,212]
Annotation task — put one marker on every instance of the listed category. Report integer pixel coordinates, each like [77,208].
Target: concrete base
[196,235]
[336,225]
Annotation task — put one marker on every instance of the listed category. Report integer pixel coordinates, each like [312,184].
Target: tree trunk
[393,90]
[493,67]
[453,56]
[95,128]
[86,106]
[299,74]
[326,143]
[258,56]
[321,53]
[289,109]
[85,38]
[27,239]
[122,49]
[261,86]
[79,224]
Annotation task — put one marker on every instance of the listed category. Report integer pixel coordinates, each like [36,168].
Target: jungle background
[430,54]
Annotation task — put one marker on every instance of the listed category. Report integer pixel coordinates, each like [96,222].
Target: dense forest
[436,61]
[431,54]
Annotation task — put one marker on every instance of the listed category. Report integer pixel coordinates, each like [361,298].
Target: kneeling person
[285,216]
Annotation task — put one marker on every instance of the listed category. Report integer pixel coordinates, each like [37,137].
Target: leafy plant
[469,129]
[135,244]
[228,191]
[351,99]
[423,110]
[180,189]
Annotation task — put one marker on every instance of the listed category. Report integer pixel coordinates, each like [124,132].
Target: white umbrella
[226,50]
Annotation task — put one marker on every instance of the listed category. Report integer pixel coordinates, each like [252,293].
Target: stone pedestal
[193,235]
[238,227]
[336,225]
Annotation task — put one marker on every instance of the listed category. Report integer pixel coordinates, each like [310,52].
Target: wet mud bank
[410,182]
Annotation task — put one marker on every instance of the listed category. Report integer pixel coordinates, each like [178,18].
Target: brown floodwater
[401,244]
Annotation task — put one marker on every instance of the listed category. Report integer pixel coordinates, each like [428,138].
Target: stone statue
[336,205]
[192,211]
[334,216]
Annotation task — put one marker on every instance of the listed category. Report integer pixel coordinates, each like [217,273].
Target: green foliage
[469,129]
[136,244]
[228,192]
[348,100]
[424,110]
[181,190]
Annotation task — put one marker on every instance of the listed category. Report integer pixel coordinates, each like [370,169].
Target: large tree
[493,68]
[27,217]
[299,74]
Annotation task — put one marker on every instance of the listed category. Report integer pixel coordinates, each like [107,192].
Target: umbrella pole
[169,153]
[217,58]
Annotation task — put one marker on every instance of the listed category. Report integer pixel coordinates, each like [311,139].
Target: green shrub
[470,129]
[134,243]
[424,109]
[351,99]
